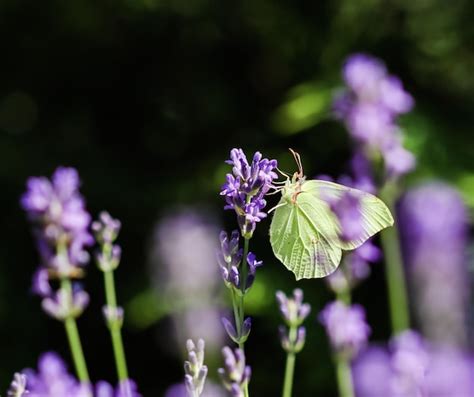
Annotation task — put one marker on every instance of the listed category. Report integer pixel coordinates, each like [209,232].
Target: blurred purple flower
[346,327]
[183,253]
[245,188]
[370,106]
[61,221]
[434,231]
[411,368]
[126,388]
[53,380]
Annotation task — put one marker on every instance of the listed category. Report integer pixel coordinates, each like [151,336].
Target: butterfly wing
[298,244]
[375,215]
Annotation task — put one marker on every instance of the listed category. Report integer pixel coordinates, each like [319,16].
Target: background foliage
[147,97]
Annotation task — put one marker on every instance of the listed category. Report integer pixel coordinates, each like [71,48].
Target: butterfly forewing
[298,244]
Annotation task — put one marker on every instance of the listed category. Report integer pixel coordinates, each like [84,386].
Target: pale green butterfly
[304,232]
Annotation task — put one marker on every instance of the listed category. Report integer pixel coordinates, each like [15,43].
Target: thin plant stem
[344,296]
[344,376]
[114,327]
[241,301]
[74,340]
[290,366]
[395,275]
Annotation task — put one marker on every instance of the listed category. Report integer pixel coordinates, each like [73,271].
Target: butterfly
[305,233]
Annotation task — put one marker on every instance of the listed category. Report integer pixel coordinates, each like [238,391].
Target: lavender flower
[346,327]
[61,222]
[126,388]
[184,246]
[63,304]
[58,213]
[106,230]
[245,188]
[370,107]
[434,226]
[236,375]
[53,379]
[194,368]
[18,386]
[410,367]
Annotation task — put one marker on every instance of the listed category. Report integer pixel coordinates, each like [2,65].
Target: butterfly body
[305,233]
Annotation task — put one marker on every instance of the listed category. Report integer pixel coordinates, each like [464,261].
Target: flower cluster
[52,379]
[370,107]
[411,367]
[246,187]
[106,230]
[434,232]
[229,258]
[294,312]
[61,223]
[236,375]
[194,368]
[346,327]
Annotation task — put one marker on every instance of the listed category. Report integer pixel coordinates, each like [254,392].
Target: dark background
[146,98]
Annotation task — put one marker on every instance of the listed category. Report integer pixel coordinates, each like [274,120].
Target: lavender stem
[290,365]
[74,340]
[114,327]
[344,376]
[395,275]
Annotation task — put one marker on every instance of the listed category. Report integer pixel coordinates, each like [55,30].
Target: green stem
[344,376]
[290,366]
[395,275]
[114,327]
[74,339]
[344,296]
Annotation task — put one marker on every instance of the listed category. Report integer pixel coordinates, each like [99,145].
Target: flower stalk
[395,275]
[106,230]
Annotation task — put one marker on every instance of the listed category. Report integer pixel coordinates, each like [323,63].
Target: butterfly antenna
[277,206]
[297,157]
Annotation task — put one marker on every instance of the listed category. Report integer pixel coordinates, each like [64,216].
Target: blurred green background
[147,97]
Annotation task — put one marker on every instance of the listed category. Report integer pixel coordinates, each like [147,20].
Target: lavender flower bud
[235,375]
[106,228]
[232,332]
[194,368]
[293,310]
[109,259]
[63,304]
[113,316]
[18,386]
[346,327]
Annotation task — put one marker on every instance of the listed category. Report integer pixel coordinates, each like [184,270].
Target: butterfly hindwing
[375,215]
